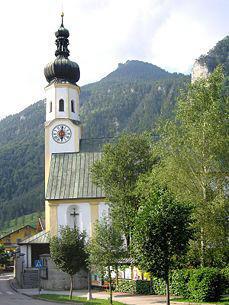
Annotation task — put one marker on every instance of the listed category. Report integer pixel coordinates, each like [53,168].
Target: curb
[12,285]
[50,301]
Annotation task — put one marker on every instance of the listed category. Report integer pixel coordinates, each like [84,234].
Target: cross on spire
[62,18]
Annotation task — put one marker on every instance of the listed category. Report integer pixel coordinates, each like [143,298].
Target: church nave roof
[70,176]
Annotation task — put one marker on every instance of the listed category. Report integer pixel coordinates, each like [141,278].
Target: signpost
[39,264]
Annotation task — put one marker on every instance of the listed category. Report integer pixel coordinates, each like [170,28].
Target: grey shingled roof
[40,238]
[70,176]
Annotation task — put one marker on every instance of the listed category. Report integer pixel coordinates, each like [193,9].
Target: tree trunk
[151,284]
[110,284]
[202,247]
[202,241]
[71,287]
[116,275]
[167,290]
[89,293]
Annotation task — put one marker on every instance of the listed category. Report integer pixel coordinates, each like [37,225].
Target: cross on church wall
[74,215]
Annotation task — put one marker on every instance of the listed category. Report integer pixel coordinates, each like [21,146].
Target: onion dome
[62,69]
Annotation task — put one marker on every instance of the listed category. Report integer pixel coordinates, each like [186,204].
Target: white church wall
[84,218]
[74,96]
[103,210]
[50,98]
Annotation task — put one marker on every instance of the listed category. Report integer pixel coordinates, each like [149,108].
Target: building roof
[40,238]
[17,230]
[70,176]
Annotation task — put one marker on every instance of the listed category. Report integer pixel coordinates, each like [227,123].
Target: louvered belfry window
[61,105]
[73,106]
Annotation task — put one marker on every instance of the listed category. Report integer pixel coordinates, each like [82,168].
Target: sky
[168,33]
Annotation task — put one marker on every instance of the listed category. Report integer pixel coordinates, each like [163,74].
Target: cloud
[169,33]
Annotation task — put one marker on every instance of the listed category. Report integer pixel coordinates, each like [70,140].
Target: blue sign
[38,263]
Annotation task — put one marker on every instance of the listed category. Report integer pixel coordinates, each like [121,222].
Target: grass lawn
[223,301]
[76,300]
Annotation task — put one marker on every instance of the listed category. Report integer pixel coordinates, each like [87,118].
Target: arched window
[73,216]
[73,106]
[61,105]
[50,107]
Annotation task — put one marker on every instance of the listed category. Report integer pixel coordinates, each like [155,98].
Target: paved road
[10,297]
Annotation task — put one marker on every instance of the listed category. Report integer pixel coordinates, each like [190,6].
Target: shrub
[126,286]
[225,278]
[202,284]
[179,282]
[138,287]
[205,284]
[143,287]
[158,286]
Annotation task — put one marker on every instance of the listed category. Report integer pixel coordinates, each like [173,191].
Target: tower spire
[62,19]
[62,69]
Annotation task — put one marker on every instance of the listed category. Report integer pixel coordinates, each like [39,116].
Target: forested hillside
[131,98]
[217,55]
[22,163]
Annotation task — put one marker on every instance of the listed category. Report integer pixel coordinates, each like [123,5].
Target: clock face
[61,133]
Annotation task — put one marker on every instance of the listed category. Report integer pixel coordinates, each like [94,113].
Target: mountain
[22,163]
[131,98]
[134,70]
[205,64]
[217,55]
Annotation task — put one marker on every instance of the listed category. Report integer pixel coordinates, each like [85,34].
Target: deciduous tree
[193,151]
[162,231]
[106,248]
[117,173]
[68,252]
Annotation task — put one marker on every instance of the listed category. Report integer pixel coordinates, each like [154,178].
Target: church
[71,198]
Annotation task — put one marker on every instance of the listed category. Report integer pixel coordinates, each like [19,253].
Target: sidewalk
[121,297]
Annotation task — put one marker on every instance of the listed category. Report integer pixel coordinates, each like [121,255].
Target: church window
[73,106]
[73,216]
[61,105]
[50,107]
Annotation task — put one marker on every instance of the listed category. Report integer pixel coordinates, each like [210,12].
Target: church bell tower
[62,125]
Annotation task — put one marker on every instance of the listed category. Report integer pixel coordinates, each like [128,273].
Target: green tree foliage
[4,256]
[205,284]
[130,98]
[162,231]
[106,248]
[68,252]
[22,163]
[217,56]
[117,173]
[193,151]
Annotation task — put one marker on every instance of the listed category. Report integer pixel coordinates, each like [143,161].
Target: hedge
[202,284]
[137,287]
[225,276]
[205,284]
